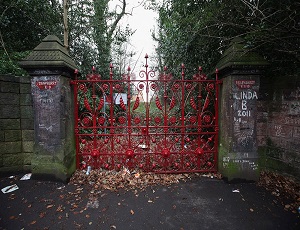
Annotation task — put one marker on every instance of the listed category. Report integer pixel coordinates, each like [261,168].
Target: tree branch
[115,23]
[13,4]
[3,46]
[66,28]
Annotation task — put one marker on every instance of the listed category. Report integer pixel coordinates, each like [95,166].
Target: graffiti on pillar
[244,162]
[245,96]
[244,107]
[46,99]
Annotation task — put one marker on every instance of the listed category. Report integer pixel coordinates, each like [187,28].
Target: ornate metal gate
[157,123]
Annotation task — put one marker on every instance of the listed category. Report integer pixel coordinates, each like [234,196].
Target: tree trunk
[66,28]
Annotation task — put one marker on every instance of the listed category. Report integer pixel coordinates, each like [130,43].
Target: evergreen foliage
[94,31]
[196,32]
[23,24]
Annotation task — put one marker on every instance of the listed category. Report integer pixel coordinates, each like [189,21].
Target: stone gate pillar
[51,70]
[240,71]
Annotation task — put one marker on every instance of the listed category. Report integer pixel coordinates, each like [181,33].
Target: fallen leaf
[251,210]
[33,222]
[12,217]
[283,187]
[42,214]
[132,212]
[60,208]
[49,206]
[113,227]
[87,216]
[124,179]
[137,175]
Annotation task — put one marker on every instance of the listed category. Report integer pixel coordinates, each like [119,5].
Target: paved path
[201,203]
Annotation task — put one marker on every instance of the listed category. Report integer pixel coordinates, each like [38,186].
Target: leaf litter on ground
[285,188]
[101,180]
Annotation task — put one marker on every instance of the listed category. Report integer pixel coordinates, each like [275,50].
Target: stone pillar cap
[50,53]
[238,56]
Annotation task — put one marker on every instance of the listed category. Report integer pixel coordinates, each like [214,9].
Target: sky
[143,22]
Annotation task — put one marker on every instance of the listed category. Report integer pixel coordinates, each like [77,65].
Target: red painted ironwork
[157,123]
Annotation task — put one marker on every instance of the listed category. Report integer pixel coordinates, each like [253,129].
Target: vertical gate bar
[165,111]
[182,130]
[165,119]
[199,115]
[147,111]
[111,114]
[93,111]
[75,83]
[217,120]
[128,105]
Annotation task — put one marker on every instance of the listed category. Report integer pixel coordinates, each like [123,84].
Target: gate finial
[111,70]
[146,57]
[182,70]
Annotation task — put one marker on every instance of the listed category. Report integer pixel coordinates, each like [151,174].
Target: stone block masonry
[16,123]
[238,145]
[51,69]
[240,70]
[279,128]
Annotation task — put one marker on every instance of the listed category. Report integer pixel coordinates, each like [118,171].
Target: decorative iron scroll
[157,123]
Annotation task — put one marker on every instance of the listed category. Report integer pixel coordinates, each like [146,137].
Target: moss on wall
[268,160]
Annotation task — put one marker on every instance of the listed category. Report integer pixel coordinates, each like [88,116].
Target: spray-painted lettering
[245,96]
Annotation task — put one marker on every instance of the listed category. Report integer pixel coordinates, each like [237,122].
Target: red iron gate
[155,123]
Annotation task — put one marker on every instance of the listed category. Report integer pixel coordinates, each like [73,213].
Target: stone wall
[16,124]
[278,125]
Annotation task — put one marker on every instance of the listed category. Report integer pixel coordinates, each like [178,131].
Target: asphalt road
[201,203]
